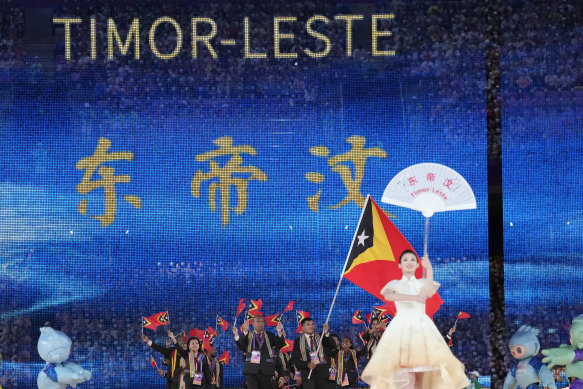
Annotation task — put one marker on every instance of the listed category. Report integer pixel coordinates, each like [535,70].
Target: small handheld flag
[222,323]
[240,308]
[163,318]
[461,315]
[206,344]
[300,315]
[357,317]
[196,333]
[289,307]
[273,320]
[249,317]
[360,336]
[289,346]
[255,307]
[148,322]
[225,357]
[152,362]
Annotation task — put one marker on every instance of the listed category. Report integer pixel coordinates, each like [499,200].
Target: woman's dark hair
[407,252]
[191,339]
[351,343]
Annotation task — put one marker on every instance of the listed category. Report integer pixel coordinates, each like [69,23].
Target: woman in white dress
[412,353]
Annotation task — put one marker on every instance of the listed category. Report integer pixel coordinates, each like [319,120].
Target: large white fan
[429,188]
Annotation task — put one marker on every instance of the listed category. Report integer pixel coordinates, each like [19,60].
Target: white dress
[411,343]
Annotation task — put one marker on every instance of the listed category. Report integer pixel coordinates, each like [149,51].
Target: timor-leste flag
[289,346]
[152,361]
[225,357]
[463,315]
[300,315]
[373,259]
[382,310]
[163,318]
[150,322]
[222,323]
[357,317]
[255,307]
[210,334]
[273,320]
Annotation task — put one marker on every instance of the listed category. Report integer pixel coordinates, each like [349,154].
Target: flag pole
[342,274]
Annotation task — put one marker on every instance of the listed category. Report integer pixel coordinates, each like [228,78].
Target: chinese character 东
[224,176]
[107,181]
[357,155]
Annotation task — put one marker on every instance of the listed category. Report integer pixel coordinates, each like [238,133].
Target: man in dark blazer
[175,368]
[258,347]
[306,357]
[216,369]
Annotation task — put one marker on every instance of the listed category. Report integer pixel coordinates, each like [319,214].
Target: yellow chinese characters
[107,181]
[357,156]
[222,177]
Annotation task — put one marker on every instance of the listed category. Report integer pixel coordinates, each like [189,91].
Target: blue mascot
[528,372]
[54,347]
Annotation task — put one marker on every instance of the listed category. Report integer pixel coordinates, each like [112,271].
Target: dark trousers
[316,383]
[259,381]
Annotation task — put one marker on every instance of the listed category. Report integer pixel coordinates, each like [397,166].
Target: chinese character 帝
[225,176]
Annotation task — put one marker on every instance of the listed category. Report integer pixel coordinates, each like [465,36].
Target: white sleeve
[391,286]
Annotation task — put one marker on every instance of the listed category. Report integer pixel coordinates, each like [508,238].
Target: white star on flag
[361,238]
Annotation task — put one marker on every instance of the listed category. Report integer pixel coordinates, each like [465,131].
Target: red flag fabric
[382,310]
[299,329]
[225,357]
[255,307]
[463,315]
[300,315]
[373,259]
[163,318]
[222,323]
[152,361]
[206,344]
[241,307]
[357,317]
[367,317]
[154,321]
[289,307]
[196,333]
[360,336]
[249,317]
[289,346]
[273,320]
[150,322]
[211,331]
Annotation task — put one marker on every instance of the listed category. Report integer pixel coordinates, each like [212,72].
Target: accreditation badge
[197,379]
[314,357]
[345,380]
[255,356]
[332,376]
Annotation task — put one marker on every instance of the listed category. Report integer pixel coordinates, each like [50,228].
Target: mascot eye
[519,350]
